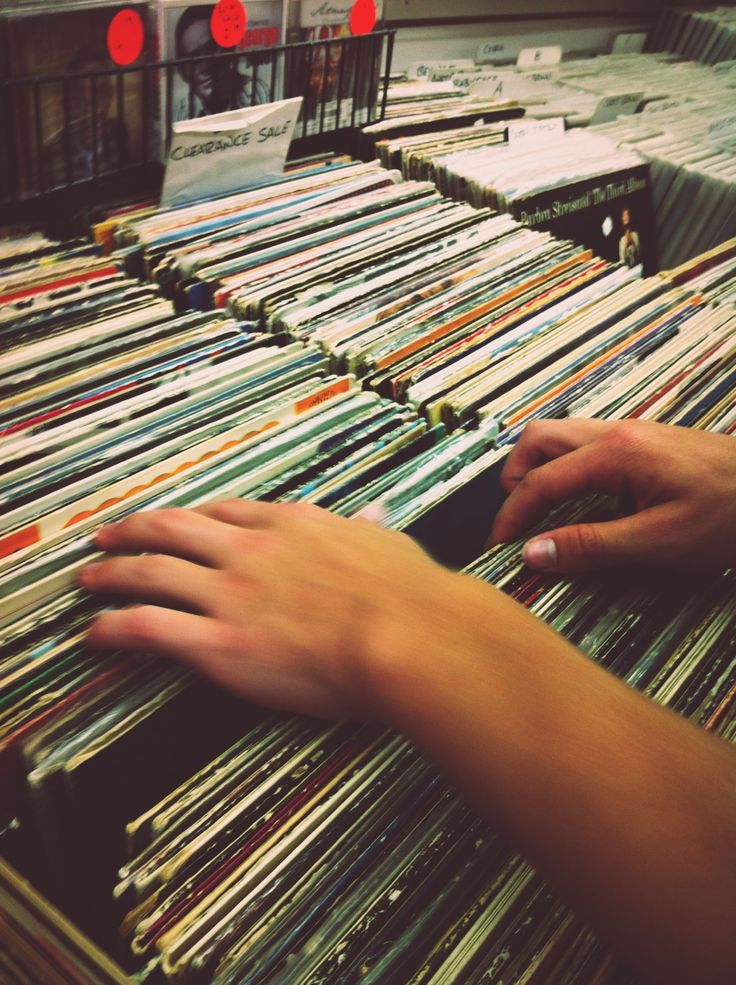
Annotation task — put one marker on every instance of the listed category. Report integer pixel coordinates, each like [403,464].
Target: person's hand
[298,609]
[287,605]
[678,486]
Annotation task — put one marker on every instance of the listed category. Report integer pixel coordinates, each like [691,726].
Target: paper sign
[488,89]
[227,152]
[629,44]
[535,131]
[492,51]
[610,107]
[539,57]
[422,70]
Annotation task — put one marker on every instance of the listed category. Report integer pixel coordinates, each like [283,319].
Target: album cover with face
[206,81]
[81,119]
[612,214]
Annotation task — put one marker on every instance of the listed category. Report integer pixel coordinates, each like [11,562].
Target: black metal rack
[50,171]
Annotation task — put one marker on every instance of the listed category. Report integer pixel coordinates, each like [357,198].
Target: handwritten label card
[539,57]
[610,107]
[466,80]
[723,132]
[492,51]
[542,75]
[507,85]
[227,152]
[664,105]
[533,132]
[318,13]
[423,70]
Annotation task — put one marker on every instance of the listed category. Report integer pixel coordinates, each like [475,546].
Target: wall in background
[437,29]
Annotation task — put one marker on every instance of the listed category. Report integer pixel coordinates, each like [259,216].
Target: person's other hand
[288,605]
[678,486]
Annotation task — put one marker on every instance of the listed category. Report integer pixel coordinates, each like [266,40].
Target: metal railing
[82,135]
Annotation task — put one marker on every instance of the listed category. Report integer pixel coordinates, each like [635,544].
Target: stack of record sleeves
[578,187]
[390,280]
[703,35]
[692,166]
[668,113]
[260,848]
[685,131]
[653,78]
[315,854]
[311,855]
[110,401]
[40,945]
[682,127]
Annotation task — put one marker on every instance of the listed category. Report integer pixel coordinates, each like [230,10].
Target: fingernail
[540,553]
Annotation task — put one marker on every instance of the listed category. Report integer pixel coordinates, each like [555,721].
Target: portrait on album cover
[208,84]
[629,245]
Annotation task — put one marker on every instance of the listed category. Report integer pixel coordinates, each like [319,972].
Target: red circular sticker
[228,23]
[125,36]
[363,16]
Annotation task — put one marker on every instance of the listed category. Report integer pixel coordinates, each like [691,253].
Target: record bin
[45,179]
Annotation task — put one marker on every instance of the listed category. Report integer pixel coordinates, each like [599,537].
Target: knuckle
[586,540]
[531,483]
[297,514]
[231,586]
[230,504]
[227,509]
[255,542]
[296,510]
[510,479]
[226,639]
[161,524]
[141,626]
[622,434]
[152,568]
[534,428]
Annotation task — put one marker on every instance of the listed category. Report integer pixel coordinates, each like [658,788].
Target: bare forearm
[629,809]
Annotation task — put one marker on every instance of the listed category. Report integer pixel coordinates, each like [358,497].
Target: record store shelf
[46,180]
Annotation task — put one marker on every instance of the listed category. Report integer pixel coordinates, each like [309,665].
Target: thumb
[592,546]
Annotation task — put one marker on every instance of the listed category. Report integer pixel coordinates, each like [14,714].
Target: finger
[642,538]
[240,512]
[233,659]
[543,441]
[196,640]
[154,578]
[587,470]
[181,533]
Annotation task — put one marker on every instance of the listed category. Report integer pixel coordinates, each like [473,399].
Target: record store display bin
[195,838]
[57,159]
[351,335]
